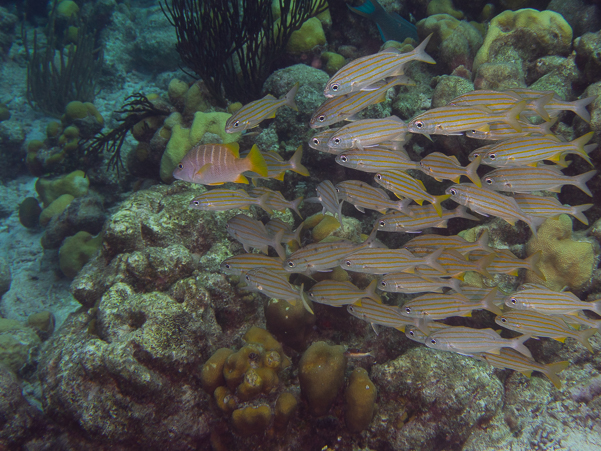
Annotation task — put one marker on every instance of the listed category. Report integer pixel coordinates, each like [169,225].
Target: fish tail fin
[579,145]
[483,241]
[538,105]
[518,344]
[294,206]
[532,222]
[552,369]
[545,129]
[437,201]
[371,239]
[263,203]
[422,325]
[596,307]
[488,303]
[297,233]
[432,261]
[420,51]
[304,299]
[370,292]
[583,337]
[367,9]
[455,285]
[295,162]
[578,212]
[289,98]
[512,115]
[532,263]
[256,162]
[277,244]
[580,181]
[483,263]
[579,107]
[471,171]
[461,212]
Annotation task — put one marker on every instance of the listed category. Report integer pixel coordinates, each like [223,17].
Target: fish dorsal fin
[234,148]
[421,184]
[270,97]
[454,158]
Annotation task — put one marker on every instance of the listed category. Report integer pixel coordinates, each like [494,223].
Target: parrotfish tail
[295,162]
[461,212]
[370,292]
[420,51]
[297,233]
[483,263]
[539,106]
[304,300]
[454,284]
[277,244]
[583,337]
[432,261]
[579,107]
[290,97]
[487,302]
[294,206]
[366,9]
[437,200]
[581,149]
[512,116]
[552,369]
[262,202]
[256,162]
[532,263]
[578,212]
[547,126]
[471,171]
[518,344]
[580,181]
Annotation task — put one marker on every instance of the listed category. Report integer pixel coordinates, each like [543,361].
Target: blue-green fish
[391,26]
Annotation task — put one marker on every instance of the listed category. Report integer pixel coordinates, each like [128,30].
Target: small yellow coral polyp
[565,262]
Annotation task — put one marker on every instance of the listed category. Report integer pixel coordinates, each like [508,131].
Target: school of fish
[526,158]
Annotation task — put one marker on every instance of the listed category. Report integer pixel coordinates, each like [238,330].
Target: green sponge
[76,251]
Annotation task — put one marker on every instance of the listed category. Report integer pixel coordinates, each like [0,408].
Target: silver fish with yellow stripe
[443,167]
[320,141]
[456,265]
[454,120]
[538,324]
[276,201]
[476,293]
[403,185]
[500,101]
[277,166]
[337,294]
[228,199]
[362,73]
[328,197]
[556,105]
[274,285]
[252,233]
[541,299]
[416,219]
[467,341]
[455,242]
[488,202]
[499,130]
[513,360]
[276,224]
[369,133]
[375,159]
[240,264]
[383,261]
[340,108]
[437,306]
[550,207]
[380,315]
[505,262]
[364,196]
[253,113]
[411,283]
[413,333]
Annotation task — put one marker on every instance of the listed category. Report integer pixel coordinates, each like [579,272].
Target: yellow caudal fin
[584,335]
[579,143]
[512,116]
[295,162]
[437,201]
[552,369]
[471,171]
[256,162]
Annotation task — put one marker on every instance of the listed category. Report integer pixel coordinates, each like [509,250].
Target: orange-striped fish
[380,315]
[538,324]
[400,282]
[252,233]
[369,133]
[455,242]
[383,261]
[500,101]
[337,294]
[443,167]
[363,73]
[274,285]
[513,360]
[276,201]
[500,130]
[240,264]
[454,120]
[467,341]
[364,196]
[549,207]
[403,185]
[340,108]
[276,224]
[530,150]
[540,178]
[253,113]
[557,105]
[488,202]
[544,300]
[413,333]
[216,164]
[228,199]
[437,306]
[375,160]
[505,262]
[456,265]
[416,219]
[320,141]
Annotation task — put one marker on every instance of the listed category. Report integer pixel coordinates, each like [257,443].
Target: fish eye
[181,166]
[348,263]
[337,189]
[492,156]
[503,320]
[236,124]
[513,301]
[227,226]
[315,141]
[351,308]
[337,140]
[379,176]
[291,264]
[312,294]
[195,202]
[247,278]
[433,341]
[383,283]
[227,266]
[407,309]
[419,124]
[382,223]
[321,118]
[411,332]
[453,192]
[488,180]
[344,158]
[334,87]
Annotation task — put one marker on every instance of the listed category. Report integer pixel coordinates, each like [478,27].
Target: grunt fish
[240,264]
[274,285]
[437,306]
[368,133]
[443,167]
[364,196]
[418,218]
[401,282]
[276,200]
[375,160]
[541,299]
[383,261]
[228,199]
[549,207]
[455,242]
[337,294]
[378,314]
[252,233]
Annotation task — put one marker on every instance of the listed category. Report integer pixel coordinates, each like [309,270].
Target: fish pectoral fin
[240,179]
[203,170]
[483,128]
[560,339]
[527,373]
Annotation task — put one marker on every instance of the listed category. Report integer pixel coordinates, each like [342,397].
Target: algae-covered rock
[5,276]
[588,55]
[321,375]
[252,420]
[76,251]
[360,398]
[16,341]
